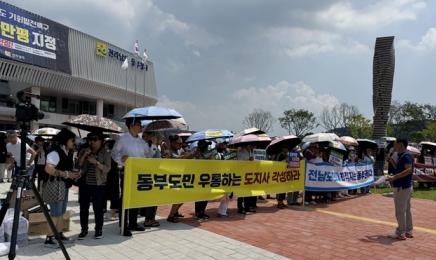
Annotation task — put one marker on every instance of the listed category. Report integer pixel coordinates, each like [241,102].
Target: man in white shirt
[132,145]
[14,149]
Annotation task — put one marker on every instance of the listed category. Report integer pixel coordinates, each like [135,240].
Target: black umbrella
[276,145]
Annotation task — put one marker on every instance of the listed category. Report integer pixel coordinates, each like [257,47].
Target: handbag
[53,190]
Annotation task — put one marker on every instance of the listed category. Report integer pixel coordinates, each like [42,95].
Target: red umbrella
[348,140]
[251,138]
[413,149]
[276,145]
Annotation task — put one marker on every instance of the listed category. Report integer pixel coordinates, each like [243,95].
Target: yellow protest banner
[151,182]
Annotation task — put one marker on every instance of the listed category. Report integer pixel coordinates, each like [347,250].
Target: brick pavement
[345,229]
[166,242]
[350,228]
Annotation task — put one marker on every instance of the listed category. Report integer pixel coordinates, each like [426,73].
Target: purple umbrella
[276,145]
[251,138]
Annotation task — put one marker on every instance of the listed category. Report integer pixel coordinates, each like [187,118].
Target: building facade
[73,72]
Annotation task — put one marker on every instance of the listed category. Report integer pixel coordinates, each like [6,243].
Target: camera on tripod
[26,111]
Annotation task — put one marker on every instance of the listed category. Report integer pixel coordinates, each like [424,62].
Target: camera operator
[14,149]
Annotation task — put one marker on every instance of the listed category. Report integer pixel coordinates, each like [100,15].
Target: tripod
[17,185]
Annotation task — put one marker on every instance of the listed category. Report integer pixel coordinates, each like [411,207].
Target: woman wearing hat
[95,164]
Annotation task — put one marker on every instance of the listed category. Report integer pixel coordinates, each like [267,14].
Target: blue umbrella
[304,146]
[337,145]
[153,113]
[209,134]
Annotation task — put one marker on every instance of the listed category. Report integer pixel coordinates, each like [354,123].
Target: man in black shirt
[380,160]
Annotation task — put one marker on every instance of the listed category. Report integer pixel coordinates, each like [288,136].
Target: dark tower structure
[382,83]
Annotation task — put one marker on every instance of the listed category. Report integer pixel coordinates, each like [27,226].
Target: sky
[217,61]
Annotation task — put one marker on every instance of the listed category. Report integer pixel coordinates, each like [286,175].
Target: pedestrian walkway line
[388,223]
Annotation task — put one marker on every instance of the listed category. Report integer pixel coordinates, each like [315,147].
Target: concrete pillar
[100,107]
[37,91]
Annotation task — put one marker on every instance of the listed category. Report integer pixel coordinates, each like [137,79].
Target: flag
[136,50]
[144,57]
[125,64]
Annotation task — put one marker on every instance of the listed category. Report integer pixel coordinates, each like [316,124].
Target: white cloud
[174,66]
[344,15]
[160,22]
[191,113]
[298,42]
[196,53]
[283,96]
[428,42]
[229,115]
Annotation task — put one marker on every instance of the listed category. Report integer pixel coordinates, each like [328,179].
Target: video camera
[26,111]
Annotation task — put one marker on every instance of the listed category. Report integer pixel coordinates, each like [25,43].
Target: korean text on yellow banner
[151,182]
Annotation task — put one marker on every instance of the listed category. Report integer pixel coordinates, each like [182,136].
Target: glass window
[48,104]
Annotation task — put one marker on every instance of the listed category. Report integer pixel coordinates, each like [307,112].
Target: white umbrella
[248,131]
[320,137]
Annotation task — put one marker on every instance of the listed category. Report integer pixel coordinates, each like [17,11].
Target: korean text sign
[33,39]
[150,182]
[326,177]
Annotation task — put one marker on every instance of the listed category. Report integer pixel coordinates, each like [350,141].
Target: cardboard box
[38,224]
[28,200]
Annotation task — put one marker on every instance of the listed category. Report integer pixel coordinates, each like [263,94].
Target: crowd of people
[96,167]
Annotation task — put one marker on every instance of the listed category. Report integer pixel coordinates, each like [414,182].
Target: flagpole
[135,88]
[126,91]
[145,84]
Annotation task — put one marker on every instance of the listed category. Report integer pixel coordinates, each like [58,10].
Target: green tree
[429,133]
[298,122]
[360,126]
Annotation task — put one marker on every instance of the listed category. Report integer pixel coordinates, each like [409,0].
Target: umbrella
[337,145]
[427,143]
[94,123]
[413,149]
[153,113]
[251,138]
[165,124]
[31,137]
[320,137]
[348,140]
[209,134]
[276,145]
[366,143]
[388,139]
[252,130]
[45,131]
[304,146]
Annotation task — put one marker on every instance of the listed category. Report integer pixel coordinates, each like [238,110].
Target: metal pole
[126,91]
[135,87]
[145,84]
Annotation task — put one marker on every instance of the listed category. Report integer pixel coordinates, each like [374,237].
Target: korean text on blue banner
[327,177]
[33,39]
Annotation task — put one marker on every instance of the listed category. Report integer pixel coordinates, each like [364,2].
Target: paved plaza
[351,228]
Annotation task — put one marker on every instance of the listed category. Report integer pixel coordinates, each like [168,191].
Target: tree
[260,119]
[429,133]
[360,127]
[329,118]
[346,112]
[298,122]
[335,119]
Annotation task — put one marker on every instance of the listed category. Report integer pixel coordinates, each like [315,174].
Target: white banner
[326,177]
